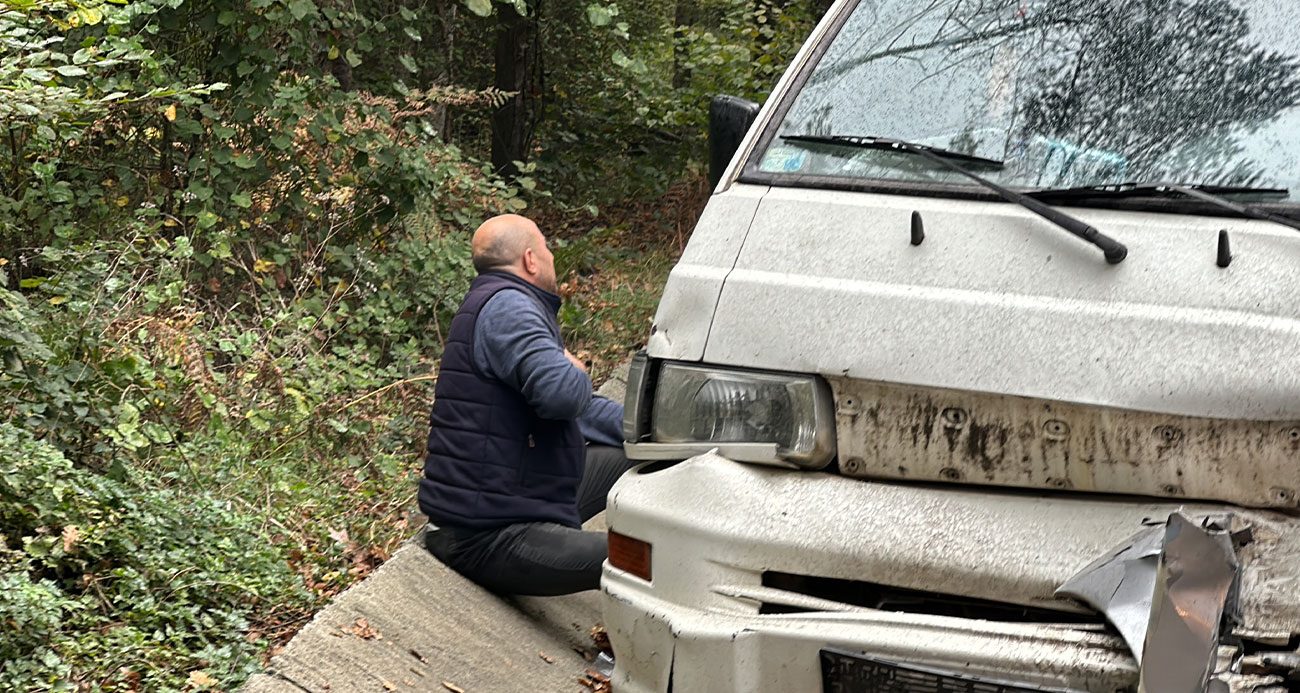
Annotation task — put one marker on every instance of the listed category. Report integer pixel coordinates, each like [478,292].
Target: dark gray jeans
[537,558]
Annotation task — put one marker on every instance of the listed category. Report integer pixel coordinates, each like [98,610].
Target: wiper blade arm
[1204,193]
[868,142]
[1114,251]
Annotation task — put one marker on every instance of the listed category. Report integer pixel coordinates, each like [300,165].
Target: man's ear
[530,261]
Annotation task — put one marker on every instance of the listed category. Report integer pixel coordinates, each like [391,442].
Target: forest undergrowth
[232,237]
[235,470]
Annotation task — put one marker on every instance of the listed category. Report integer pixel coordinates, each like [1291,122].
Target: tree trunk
[513,74]
[441,117]
[683,18]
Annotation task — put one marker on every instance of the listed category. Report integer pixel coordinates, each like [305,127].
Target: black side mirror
[729,120]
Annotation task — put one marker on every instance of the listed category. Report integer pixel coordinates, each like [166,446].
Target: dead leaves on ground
[595,681]
[600,637]
[362,629]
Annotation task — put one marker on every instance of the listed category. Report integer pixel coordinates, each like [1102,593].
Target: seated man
[510,478]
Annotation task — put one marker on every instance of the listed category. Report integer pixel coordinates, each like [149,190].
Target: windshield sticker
[783,160]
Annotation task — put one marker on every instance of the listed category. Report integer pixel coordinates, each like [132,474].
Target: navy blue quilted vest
[492,461]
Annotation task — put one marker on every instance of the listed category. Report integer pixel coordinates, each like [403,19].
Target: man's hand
[574,360]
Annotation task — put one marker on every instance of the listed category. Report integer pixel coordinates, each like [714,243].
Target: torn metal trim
[1171,590]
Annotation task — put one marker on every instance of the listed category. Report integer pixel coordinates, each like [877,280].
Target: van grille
[887,598]
[849,672]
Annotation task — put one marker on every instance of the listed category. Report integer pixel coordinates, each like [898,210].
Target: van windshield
[1064,92]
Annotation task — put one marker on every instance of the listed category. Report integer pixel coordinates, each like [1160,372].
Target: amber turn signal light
[631,555]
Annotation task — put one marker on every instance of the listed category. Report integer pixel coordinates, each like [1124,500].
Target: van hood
[995,299]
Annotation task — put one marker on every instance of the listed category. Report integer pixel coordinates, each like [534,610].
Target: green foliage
[232,236]
[211,463]
[56,380]
[281,143]
[107,580]
[631,105]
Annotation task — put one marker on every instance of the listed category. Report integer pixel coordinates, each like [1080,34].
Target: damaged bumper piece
[764,579]
[1173,593]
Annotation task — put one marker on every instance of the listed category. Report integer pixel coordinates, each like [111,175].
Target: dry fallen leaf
[417,655]
[362,629]
[452,687]
[389,685]
[71,535]
[548,660]
[132,678]
[200,679]
[601,638]
[597,683]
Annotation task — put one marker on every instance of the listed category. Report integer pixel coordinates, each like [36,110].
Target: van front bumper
[706,622]
[657,642]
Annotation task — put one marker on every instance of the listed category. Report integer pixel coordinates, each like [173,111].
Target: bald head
[511,243]
[500,242]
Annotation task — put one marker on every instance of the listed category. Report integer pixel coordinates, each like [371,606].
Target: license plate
[856,672]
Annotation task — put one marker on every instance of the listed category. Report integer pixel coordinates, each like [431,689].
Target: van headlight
[706,405]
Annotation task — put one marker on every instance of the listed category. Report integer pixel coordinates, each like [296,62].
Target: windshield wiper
[1114,251]
[864,142]
[1206,193]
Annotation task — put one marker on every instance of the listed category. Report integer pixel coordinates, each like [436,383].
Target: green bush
[111,582]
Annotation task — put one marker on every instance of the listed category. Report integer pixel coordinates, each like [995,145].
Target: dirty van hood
[994,300]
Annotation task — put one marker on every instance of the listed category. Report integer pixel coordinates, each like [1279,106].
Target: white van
[981,370]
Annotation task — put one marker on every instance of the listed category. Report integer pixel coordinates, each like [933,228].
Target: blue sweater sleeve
[514,344]
[602,423]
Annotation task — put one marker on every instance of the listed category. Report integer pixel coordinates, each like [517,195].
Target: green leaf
[90,15]
[200,191]
[407,14]
[481,8]
[410,31]
[352,58]
[70,70]
[408,63]
[599,15]
[301,8]
[242,199]
[206,219]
